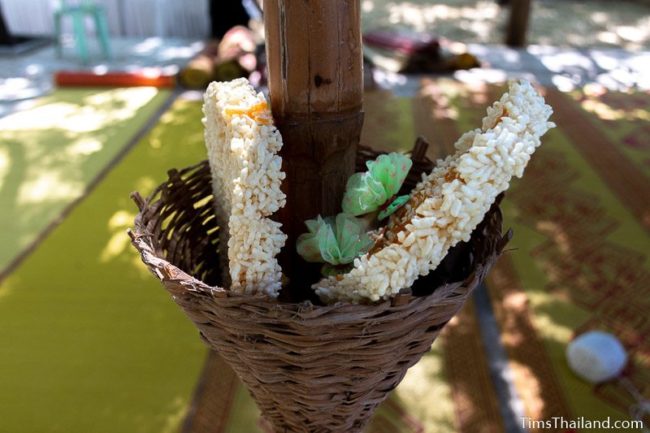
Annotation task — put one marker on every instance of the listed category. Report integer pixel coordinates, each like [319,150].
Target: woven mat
[580,240]
[581,217]
[89,341]
[51,153]
[580,253]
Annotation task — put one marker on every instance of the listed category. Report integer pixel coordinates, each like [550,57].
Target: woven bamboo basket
[310,368]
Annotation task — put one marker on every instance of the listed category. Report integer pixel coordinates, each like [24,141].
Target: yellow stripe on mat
[89,341]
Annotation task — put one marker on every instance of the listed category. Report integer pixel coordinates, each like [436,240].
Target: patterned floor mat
[580,255]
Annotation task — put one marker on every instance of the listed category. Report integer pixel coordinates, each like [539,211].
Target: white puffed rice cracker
[243,148]
[450,202]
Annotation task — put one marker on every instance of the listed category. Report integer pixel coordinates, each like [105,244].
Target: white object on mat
[596,356]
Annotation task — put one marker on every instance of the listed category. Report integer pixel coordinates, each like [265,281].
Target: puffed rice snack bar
[243,148]
[446,206]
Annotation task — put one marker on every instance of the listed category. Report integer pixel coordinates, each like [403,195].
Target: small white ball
[596,356]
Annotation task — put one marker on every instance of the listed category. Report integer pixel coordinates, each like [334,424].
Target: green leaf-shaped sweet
[336,241]
[369,191]
[308,244]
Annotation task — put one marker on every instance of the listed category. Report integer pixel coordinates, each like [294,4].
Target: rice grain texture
[243,148]
[446,206]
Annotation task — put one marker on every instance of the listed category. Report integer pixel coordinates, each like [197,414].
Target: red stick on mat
[112,79]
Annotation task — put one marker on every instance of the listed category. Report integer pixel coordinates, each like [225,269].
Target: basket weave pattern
[311,369]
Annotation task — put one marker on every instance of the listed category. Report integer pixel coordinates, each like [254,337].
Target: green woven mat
[96,345]
[89,340]
[51,152]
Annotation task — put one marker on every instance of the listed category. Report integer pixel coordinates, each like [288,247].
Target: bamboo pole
[316,88]
[518,23]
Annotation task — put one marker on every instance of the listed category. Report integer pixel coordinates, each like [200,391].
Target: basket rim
[179,283]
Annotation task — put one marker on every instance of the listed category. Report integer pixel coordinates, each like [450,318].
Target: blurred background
[99,98]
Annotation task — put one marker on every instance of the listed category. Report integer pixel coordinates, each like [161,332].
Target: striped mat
[54,151]
[579,258]
[85,319]
[89,340]
[581,217]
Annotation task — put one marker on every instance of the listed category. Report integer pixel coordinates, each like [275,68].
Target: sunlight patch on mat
[4,164]
[48,186]
[119,240]
[93,113]
[51,152]
[84,147]
[176,413]
[424,387]
[529,389]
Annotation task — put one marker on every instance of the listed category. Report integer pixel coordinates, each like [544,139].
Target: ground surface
[585,24]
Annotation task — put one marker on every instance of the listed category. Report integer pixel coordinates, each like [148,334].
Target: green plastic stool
[78,13]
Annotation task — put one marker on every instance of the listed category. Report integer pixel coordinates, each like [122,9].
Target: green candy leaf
[369,191]
[308,244]
[393,206]
[336,241]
